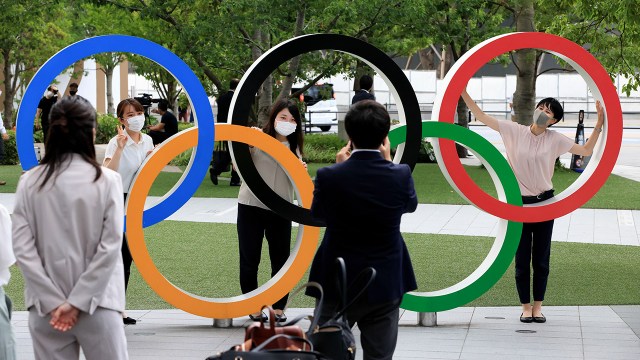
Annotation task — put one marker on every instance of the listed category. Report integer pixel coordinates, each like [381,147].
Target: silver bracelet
[599,129]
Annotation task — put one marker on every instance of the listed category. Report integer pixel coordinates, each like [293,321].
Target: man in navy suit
[361,199]
[366,83]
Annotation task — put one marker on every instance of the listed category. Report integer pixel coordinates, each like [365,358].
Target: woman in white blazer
[67,233]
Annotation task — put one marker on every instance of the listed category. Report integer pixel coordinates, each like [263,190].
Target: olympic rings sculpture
[407,136]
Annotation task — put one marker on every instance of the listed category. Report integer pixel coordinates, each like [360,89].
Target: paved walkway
[571,332]
[599,226]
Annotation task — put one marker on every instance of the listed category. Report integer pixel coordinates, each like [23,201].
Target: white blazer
[67,238]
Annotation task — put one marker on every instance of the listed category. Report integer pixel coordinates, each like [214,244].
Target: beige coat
[67,238]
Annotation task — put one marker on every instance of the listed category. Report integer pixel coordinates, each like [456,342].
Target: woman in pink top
[532,151]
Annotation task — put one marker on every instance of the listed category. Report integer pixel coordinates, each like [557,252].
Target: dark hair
[163,105]
[122,105]
[233,84]
[49,88]
[367,124]
[296,140]
[72,121]
[554,106]
[366,82]
[73,85]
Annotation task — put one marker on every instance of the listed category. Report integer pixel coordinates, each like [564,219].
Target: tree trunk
[77,75]
[525,61]
[428,59]
[292,71]
[265,93]
[443,69]
[108,70]
[8,91]
[461,109]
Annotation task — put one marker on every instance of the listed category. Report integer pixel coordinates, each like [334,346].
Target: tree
[457,26]
[608,29]
[30,32]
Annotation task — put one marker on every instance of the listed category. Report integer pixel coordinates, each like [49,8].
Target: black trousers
[127,259]
[157,136]
[534,251]
[378,324]
[254,224]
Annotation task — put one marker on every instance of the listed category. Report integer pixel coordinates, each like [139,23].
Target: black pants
[254,224]
[535,250]
[378,324]
[127,259]
[158,136]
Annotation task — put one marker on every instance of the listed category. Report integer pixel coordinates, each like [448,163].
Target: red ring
[468,65]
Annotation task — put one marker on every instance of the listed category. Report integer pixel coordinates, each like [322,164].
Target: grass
[202,258]
[431,186]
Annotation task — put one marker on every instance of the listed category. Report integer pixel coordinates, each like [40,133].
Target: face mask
[285,128]
[540,118]
[136,123]
[49,94]
[72,93]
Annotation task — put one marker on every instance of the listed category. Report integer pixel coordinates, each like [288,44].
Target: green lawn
[432,188]
[202,258]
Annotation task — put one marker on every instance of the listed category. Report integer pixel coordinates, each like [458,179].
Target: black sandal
[261,318]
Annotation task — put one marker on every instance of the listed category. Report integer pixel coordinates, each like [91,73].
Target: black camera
[146,100]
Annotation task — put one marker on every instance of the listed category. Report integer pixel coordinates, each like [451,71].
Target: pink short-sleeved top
[532,157]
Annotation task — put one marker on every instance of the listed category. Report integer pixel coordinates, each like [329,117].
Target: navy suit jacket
[362,201]
[224,103]
[362,95]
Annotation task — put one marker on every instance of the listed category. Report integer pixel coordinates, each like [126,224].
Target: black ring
[252,80]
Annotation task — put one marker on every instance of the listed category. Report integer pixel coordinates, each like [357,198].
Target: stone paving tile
[463,333]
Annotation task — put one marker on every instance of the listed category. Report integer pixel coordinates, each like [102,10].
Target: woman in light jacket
[67,233]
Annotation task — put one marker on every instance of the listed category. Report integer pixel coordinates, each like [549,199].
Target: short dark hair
[75,85]
[233,84]
[553,105]
[367,124]
[163,105]
[366,82]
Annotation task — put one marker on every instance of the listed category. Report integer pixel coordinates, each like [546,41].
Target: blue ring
[165,58]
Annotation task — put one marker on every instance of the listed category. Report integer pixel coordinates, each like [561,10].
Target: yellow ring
[274,289]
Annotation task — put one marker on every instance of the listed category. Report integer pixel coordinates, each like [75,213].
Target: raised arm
[113,161]
[587,148]
[478,113]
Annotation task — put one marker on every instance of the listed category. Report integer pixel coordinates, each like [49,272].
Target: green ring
[463,292]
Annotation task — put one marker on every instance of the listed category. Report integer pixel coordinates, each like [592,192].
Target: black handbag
[221,161]
[261,353]
[334,338]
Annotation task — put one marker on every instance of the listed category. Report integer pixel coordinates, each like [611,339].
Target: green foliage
[107,128]
[10,150]
[322,148]
[184,125]
[182,160]
[608,29]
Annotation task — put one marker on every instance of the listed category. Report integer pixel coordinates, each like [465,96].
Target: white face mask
[285,128]
[540,118]
[49,94]
[136,123]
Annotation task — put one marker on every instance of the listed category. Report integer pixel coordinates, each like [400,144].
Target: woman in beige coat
[67,233]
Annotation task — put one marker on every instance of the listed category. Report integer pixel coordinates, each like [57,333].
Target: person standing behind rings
[7,339]
[532,151]
[125,153]
[255,220]
[44,108]
[67,231]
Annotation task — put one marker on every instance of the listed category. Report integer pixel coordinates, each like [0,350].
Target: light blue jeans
[7,340]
